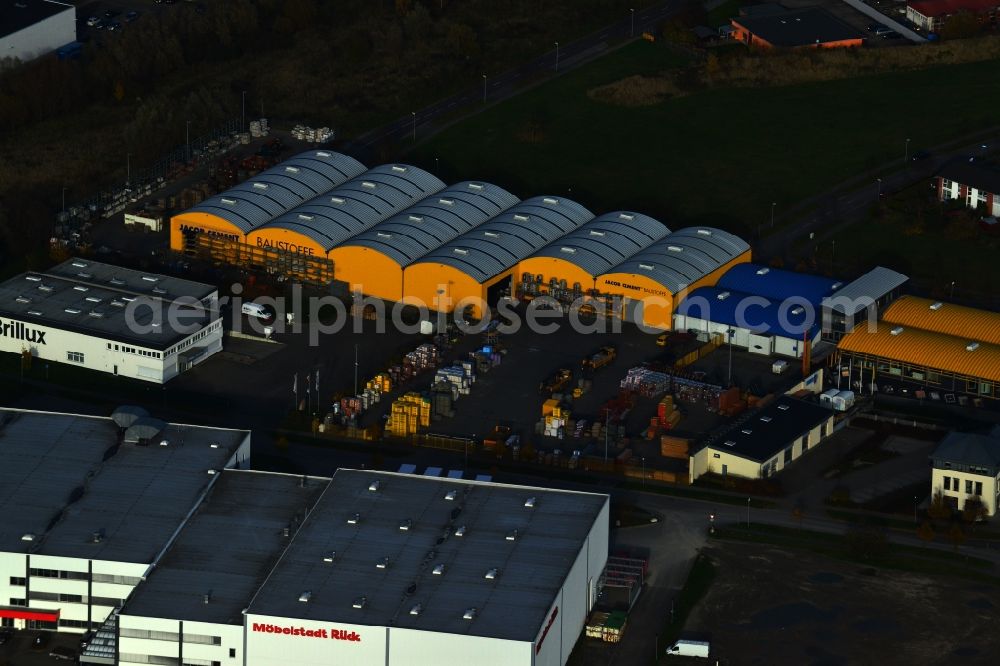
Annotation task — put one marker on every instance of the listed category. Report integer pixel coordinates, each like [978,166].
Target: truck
[559,380]
[689,649]
[600,359]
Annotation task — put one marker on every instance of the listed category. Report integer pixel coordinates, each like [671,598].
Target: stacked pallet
[674,447]
[408,414]
[646,382]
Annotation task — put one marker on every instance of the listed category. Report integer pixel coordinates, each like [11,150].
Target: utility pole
[748,512]
[187,139]
[64,204]
[484,89]
[906,152]
[557,56]
[773,204]
[414,115]
[243,113]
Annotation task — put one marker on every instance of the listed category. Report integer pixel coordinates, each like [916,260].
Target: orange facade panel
[369,271]
[946,318]
[204,223]
[559,269]
[925,349]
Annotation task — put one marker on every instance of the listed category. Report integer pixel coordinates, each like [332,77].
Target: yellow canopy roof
[947,318]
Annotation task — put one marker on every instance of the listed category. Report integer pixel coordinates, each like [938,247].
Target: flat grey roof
[227,548]
[683,257]
[498,245]
[17,16]
[92,298]
[434,221]
[64,477]
[873,285]
[532,568]
[359,204]
[280,188]
[606,241]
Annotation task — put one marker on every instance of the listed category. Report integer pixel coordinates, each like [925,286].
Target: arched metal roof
[606,241]
[279,189]
[497,245]
[359,204]
[684,256]
[434,221]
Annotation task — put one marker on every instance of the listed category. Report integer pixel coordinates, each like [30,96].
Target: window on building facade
[75,357]
[17,582]
[968,487]
[947,483]
[979,488]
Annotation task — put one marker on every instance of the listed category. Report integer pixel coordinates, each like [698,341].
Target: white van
[689,648]
[255,310]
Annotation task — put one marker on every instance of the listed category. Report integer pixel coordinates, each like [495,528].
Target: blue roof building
[778,285]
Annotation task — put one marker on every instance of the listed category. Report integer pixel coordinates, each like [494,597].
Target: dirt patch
[636,91]
[768,606]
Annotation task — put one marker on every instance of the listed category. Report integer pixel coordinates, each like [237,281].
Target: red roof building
[930,15]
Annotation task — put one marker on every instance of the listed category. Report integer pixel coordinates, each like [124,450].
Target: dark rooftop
[962,448]
[800,27]
[17,15]
[766,432]
[227,548]
[974,174]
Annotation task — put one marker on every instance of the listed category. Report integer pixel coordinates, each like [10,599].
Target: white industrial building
[89,505]
[110,319]
[32,28]
[368,568]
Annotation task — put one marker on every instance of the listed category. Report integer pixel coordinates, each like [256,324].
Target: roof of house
[947,318]
[683,257]
[65,477]
[978,175]
[925,349]
[108,302]
[226,548]
[934,8]
[969,449]
[801,27]
[381,536]
[434,221]
[750,311]
[761,435]
[16,16]
[865,291]
[778,285]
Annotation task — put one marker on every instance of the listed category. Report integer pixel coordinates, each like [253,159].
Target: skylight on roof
[520,218]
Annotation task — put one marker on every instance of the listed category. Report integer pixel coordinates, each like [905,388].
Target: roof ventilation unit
[416,609]
[97,536]
[85,276]
[936,306]
[337,200]
[305,596]
[896,330]
[354,519]
[451,495]
[972,346]
[475,186]
[798,310]
[729,442]
[32,278]
[117,281]
[784,408]
[45,287]
[766,419]
[80,287]
[93,299]
[763,271]
[405,525]
[383,563]
[374,486]
[469,614]
[330,557]
[22,299]
[529,503]
[398,169]
[723,295]
[520,218]
[512,535]
[205,598]
[438,570]
[492,574]
[36,313]
[28,537]
[747,431]
[460,531]
[150,278]
[626,216]
[360,602]
[836,286]
[72,311]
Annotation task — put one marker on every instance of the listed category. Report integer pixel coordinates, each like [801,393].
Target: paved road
[561,58]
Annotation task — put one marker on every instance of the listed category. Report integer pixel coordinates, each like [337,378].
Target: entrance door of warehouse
[116,369]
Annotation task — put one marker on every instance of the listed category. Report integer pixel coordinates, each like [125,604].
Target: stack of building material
[614,626]
[646,382]
[458,375]
[258,128]
[409,413]
[595,624]
[424,357]
[380,382]
[549,405]
[674,447]
[442,399]
[555,422]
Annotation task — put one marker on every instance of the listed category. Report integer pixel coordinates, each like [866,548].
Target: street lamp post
[773,204]
[951,292]
[187,139]
[557,56]
[64,202]
[484,89]
[243,113]
[128,168]
[879,195]
[631,31]
[906,152]
[355,370]
[414,115]
[643,472]
[748,512]
[729,340]
[915,503]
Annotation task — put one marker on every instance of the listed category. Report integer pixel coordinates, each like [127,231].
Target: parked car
[63,654]
[5,635]
[93,21]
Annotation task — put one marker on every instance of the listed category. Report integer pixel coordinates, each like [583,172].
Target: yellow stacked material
[380,382]
[409,413]
[672,419]
[560,412]
[577,392]
[548,406]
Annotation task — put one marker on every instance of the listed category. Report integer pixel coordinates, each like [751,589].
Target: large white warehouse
[31,28]
[110,319]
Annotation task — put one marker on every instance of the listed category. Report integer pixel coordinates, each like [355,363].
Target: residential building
[973,184]
[966,467]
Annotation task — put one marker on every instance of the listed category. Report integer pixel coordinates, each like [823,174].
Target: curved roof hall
[497,245]
[685,256]
[359,204]
[434,221]
[777,284]
[947,318]
[606,241]
[280,188]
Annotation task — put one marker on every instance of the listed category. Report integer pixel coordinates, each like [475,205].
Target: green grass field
[717,156]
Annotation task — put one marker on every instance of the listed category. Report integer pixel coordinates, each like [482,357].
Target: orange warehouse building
[218,225]
[308,233]
[654,281]
[374,260]
[946,318]
[477,267]
[568,267]
[803,28]
[935,362]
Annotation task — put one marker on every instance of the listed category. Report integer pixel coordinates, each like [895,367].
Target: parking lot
[20,649]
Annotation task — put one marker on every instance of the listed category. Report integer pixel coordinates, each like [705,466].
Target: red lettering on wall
[545,631]
[335,634]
